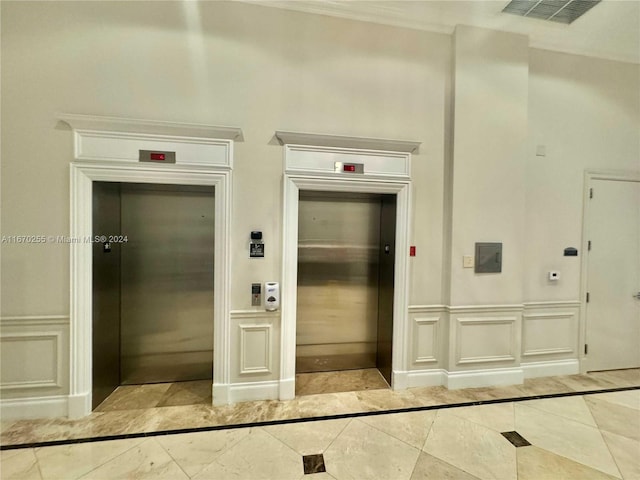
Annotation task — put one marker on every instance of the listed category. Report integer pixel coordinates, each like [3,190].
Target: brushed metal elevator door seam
[167,283]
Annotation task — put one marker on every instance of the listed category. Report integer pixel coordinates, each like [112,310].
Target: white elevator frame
[106,150]
[310,177]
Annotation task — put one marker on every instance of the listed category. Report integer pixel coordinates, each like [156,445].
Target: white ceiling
[609,30]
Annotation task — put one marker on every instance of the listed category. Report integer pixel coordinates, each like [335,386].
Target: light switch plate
[467,261]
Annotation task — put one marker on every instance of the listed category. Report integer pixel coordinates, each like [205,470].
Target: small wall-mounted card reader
[256,294]
[256,247]
[488,258]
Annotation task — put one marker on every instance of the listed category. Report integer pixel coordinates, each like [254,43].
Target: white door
[613,283]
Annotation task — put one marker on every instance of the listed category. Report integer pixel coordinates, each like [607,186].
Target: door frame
[292,186]
[107,149]
[589,177]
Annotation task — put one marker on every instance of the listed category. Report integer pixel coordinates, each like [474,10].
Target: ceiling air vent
[562,11]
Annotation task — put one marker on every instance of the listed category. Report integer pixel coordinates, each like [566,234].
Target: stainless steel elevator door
[337,296]
[167,283]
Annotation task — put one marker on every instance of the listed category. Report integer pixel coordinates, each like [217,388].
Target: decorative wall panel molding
[550,329]
[34,355]
[427,334]
[255,348]
[485,340]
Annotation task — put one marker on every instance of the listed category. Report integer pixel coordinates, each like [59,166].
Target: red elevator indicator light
[158,157]
[349,168]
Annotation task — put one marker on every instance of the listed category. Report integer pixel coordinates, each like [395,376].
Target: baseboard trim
[551,368]
[34,407]
[248,392]
[79,405]
[418,378]
[287,389]
[484,378]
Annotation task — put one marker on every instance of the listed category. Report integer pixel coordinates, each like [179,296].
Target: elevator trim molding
[102,167]
[304,167]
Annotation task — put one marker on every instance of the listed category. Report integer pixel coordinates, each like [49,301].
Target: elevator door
[342,323]
[167,283]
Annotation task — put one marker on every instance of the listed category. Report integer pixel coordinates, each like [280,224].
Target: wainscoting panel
[426,334]
[255,349]
[550,338]
[34,355]
[485,337]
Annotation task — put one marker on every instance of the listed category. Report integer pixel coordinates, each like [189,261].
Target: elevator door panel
[167,283]
[337,309]
[105,317]
[386,285]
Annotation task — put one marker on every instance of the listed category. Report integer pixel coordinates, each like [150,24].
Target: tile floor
[594,436]
[580,436]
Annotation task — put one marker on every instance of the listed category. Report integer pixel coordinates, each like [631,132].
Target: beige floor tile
[321,405]
[474,448]
[432,468]
[410,427]
[628,377]
[576,441]
[6,424]
[573,408]
[257,456]
[308,438]
[442,396]
[537,464]
[194,451]
[317,476]
[73,461]
[339,381]
[173,418]
[615,418]
[131,397]
[363,452]
[584,382]
[499,417]
[187,393]
[376,400]
[626,453]
[19,464]
[493,393]
[144,461]
[542,386]
[628,398]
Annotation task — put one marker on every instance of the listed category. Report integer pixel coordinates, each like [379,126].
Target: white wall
[217,63]
[490,131]
[586,112]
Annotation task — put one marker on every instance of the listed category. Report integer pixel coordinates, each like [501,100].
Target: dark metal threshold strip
[308,419]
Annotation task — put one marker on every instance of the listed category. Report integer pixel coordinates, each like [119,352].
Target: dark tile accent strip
[308,419]
[313,464]
[516,439]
